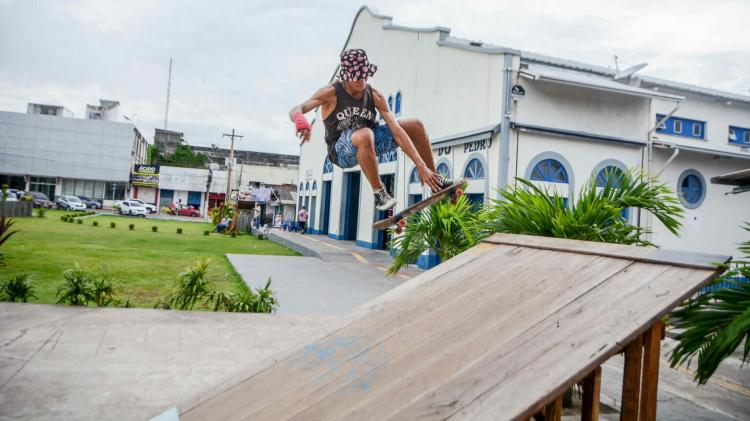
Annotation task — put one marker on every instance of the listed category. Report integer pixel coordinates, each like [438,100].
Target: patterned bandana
[354,65]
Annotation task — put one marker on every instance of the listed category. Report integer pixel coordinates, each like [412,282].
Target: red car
[186,211]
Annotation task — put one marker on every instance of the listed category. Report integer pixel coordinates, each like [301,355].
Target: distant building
[106,110]
[167,141]
[56,110]
[252,167]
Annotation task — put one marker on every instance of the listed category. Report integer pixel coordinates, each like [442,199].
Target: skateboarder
[352,132]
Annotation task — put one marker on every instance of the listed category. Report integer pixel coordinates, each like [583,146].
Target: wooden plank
[553,411]
[559,350]
[631,383]
[225,390]
[428,334]
[649,386]
[591,392]
[509,308]
[636,253]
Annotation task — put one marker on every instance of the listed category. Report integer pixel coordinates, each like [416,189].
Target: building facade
[496,113]
[67,156]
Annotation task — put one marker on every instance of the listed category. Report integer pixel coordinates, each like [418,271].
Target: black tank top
[349,113]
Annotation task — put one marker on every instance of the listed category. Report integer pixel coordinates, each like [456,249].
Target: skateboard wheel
[399,230]
[459,192]
[401,223]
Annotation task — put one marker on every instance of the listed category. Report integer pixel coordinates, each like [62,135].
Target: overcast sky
[243,64]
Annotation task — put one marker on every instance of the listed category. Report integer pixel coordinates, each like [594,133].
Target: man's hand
[303,127]
[430,178]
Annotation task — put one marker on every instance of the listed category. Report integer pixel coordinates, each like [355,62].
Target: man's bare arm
[323,97]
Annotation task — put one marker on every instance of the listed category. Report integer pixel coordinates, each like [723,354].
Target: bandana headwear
[355,66]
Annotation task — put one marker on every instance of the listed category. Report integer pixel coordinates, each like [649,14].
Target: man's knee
[411,124]
[363,137]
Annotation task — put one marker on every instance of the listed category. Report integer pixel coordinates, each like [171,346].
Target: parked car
[183,210]
[131,208]
[41,200]
[70,203]
[90,203]
[151,208]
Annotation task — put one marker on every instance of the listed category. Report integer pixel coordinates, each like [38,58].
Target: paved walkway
[333,278]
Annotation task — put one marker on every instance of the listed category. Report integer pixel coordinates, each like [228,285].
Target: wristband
[300,122]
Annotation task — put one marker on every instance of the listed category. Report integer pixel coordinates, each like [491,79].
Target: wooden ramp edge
[498,332]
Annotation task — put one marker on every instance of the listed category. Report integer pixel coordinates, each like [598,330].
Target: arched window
[692,189]
[300,186]
[390,102]
[307,186]
[474,170]
[610,174]
[327,166]
[443,170]
[398,103]
[315,185]
[414,176]
[550,170]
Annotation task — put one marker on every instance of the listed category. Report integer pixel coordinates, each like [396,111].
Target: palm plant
[77,289]
[5,224]
[103,289]
[191,286]
[597,214]
[447,228]
[18,289]
[266,301]
[715,324]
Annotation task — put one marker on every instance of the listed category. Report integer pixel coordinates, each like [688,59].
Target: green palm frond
[716,323]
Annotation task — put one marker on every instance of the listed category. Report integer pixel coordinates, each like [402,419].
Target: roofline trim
[391,26]
[574,134]
[467,136]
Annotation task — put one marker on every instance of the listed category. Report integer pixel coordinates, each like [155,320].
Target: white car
[149,207]
[70,203]
[132,208]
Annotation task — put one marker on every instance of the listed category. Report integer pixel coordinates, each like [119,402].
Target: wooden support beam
[591,391]
[650,382]
[631,383]
[553,411]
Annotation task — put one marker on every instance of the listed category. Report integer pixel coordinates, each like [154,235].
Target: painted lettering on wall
[477,145]
[444,151]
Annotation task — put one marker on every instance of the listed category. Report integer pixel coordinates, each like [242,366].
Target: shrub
[80,221]
[27,198]
[179,230]
[95,223]
[154,228]
[260,236]
[206,232]
[77,289]
[103,289]
[71,220]
[131,226]
[191,286]
[18,289]
[112,225]
[40,212]
[64,218]
[262,301]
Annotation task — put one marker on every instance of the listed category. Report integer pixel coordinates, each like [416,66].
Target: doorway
[350,200]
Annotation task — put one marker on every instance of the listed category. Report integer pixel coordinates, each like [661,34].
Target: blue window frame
[612,174]
[684,127]
[550,170]
[327,166]
[390,102]
[307,186]
[414,176]
[474,170]
[739,135]
[692,189]
[398,104]
[443,170]
[315,185]
[300,186]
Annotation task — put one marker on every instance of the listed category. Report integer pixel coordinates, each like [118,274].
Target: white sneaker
[383,200]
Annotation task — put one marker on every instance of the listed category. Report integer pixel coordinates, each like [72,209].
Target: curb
[299,248]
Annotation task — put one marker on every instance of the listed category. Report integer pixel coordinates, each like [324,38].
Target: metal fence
[19,208]
[729,282]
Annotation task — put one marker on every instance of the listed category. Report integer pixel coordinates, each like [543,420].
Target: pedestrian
[352,134]
[302,218]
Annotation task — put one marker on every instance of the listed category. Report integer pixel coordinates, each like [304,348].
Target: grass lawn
[145,262]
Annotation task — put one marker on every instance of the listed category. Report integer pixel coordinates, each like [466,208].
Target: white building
[68,156]
[496,113]
[107,110]
[57,110]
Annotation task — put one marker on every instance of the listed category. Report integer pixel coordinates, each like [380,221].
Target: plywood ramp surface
[494,333]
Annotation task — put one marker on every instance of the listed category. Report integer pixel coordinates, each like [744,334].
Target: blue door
[326,207]
[194,199]
[351,206]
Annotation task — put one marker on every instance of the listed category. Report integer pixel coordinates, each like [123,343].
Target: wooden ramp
[499,332]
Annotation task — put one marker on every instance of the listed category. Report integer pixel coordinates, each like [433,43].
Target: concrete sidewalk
[60,362]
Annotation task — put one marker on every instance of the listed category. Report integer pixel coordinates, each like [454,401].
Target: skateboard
[454,191]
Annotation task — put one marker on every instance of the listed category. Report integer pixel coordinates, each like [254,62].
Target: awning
[740,179]
[482,133]
[566,77]
[713,152]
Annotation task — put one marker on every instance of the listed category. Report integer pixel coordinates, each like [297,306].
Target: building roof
[739,179]
[526,56]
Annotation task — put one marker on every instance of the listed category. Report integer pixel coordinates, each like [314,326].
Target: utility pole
[231,162]
[169,85]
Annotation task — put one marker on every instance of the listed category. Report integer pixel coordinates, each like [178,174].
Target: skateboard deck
[399,218]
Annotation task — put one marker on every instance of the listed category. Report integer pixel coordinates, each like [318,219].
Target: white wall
[266,174]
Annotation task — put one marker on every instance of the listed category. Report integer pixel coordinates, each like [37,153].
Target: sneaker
[383,200]
[445,182]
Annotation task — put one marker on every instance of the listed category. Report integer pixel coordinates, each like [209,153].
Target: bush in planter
[64,218]
[131,226]
[71,219]
[154,228]
[206,232]
[77,289]
[95,223]
[112,225]
[179,230]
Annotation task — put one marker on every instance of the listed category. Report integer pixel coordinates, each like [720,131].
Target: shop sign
[477,145]
[145,176]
